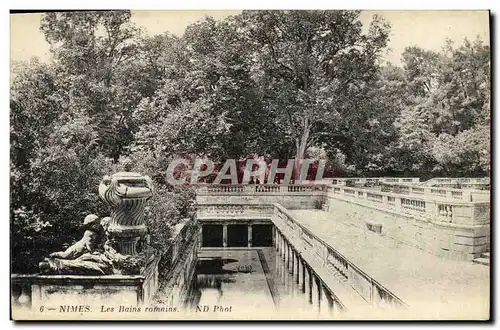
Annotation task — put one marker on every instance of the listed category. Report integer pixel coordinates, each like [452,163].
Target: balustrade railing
[267,188]
[258,189]
[438,206]
[414,205]
[467,182]
[233,210]
[426,202]
[467,195]
[374,197]
[355,278]
[346,181]
[224,189]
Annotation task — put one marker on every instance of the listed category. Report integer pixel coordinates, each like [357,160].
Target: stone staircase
[484,259]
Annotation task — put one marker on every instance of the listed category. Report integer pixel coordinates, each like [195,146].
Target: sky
[426,29]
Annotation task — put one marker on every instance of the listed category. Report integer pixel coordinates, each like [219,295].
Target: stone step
[485,255]
[482,261]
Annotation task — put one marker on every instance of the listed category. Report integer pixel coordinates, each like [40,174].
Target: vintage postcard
[250,165]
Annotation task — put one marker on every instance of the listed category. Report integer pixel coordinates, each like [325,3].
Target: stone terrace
[411,273]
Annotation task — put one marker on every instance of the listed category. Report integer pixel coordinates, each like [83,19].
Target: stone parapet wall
[177,288]
[442,238]
[431,208]
[297,201]
[40,292]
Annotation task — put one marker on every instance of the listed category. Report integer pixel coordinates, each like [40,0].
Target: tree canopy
[277,84]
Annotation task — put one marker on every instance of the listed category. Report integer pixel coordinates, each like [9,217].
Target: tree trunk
[301,148]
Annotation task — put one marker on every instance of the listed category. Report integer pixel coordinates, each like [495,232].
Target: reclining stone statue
[88,243]
[109,245]
[92,255]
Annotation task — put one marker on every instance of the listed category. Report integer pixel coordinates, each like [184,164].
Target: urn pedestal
[126,193]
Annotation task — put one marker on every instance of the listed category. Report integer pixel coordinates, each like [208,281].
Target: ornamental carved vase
[126,193]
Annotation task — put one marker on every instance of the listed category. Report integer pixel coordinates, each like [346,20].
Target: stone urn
[126,193]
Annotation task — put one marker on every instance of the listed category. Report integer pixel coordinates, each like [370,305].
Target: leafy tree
[95,52]
[444,122]
[207,105]
[310,66]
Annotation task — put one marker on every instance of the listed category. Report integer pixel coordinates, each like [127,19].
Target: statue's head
[90,219]
[105,223]
[91,222]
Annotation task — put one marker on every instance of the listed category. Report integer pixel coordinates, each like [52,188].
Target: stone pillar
[126,193]
[276,241]
[282,268]
[249,235]
[309,285]
[314,292]
[329,303]
[273,243]
[299,273]
[279,243]
[324,304]
[297,270]
[287,260]
[318,293]
[302,279]
[292,264]
[224,235]
[285,250]
[200,237]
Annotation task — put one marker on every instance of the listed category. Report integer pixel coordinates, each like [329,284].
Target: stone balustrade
[291,196]
[323,258]
[360,181]
[474,182]
[467,195]
[257,189]
[465,207]
[440,206]
[351,276]
[231,211]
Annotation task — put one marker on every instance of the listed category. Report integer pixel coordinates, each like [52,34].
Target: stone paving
[420,279]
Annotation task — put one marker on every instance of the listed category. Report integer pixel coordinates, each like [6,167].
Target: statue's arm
[73,252]
[86,244]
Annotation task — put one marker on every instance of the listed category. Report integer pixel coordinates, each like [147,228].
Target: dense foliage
[292,84]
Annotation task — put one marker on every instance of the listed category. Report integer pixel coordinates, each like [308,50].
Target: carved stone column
[224,235]
[249,235]
[126,193]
